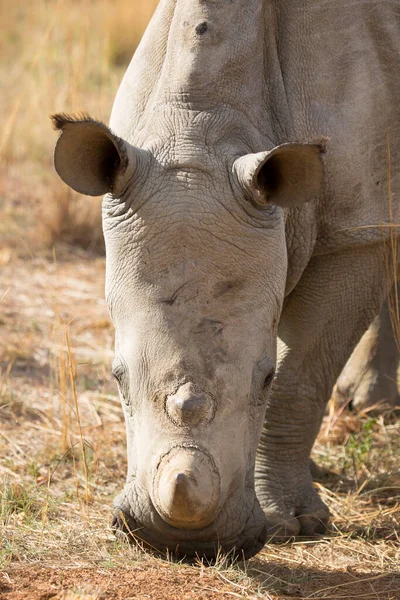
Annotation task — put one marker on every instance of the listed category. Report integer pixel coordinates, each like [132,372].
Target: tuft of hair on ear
[322,142]
[60,120]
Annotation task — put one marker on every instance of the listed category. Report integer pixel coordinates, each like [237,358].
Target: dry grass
[56,56]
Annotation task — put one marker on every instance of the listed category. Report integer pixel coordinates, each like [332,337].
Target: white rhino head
[196,274]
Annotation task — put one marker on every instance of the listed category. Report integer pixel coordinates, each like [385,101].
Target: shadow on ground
[306,582]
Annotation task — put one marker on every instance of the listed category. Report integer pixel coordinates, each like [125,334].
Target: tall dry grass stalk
[72,377]
[62,375]
[63,384]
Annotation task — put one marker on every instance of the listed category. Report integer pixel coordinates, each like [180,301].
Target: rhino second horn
[186,488]
[189,407]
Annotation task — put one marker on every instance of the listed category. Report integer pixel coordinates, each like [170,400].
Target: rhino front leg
[370,376]
[322,320]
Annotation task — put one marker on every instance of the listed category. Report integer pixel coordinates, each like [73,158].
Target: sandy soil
[180,583]
[116,584]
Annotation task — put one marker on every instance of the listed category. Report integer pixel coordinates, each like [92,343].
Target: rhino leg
[370,376]
[322,320]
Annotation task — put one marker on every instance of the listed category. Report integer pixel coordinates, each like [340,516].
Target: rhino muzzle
[186,488]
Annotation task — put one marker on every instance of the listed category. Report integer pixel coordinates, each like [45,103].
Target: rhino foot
[369,378]
[308,517]
[365,389]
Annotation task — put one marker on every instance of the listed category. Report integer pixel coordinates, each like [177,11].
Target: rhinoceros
[249,175]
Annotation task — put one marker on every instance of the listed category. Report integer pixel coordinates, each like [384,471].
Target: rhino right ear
[88,156]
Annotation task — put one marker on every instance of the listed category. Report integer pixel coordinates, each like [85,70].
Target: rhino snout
[186,488]
[189,406]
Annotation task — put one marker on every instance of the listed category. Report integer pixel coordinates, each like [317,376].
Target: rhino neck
[196,55]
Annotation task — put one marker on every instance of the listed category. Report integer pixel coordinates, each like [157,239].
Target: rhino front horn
[186,488]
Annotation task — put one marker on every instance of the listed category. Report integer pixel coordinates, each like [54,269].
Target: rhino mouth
[243,541]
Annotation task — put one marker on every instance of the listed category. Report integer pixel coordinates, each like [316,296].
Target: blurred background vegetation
[50,61]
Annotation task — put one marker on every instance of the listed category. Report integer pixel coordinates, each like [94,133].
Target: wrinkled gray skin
[245,195]
[369,379]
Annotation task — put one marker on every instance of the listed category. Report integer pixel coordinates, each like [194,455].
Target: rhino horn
[186,488]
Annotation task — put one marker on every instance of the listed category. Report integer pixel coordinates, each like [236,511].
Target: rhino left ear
[89,157]
[288,175]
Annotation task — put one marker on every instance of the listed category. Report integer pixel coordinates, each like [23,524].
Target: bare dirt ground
[62,458]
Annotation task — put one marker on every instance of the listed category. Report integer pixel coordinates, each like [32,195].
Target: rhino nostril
[189,406]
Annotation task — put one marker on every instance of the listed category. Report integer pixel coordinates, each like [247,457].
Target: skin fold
[245,174]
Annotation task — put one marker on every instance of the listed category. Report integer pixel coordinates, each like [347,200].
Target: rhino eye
[269,379]
[120,374]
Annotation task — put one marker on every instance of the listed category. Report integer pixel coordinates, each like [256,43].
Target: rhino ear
[88,156]
[288,175]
